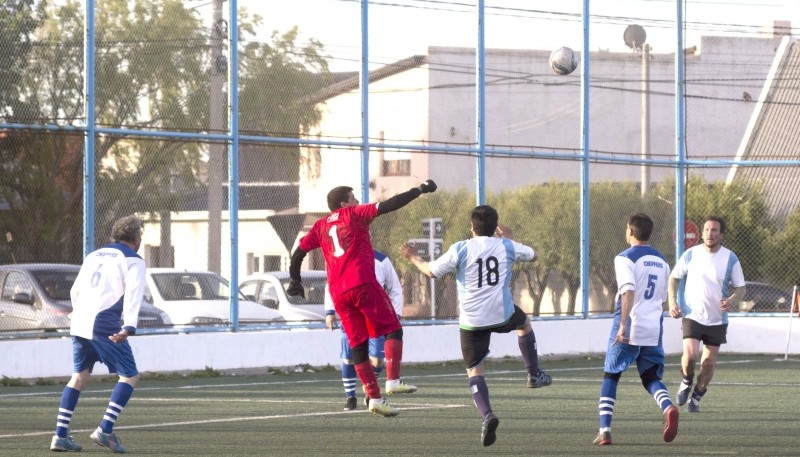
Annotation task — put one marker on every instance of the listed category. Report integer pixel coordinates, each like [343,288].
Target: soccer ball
[563,61]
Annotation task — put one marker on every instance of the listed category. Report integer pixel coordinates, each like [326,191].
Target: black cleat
[541,379]
[489,430]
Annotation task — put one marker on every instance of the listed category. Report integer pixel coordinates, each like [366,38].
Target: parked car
[765,298]
[269,289]
[35,296]
[194,297]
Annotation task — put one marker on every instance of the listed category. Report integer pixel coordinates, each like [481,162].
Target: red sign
[691,235]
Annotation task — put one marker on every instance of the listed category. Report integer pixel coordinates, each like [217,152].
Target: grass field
[751,409]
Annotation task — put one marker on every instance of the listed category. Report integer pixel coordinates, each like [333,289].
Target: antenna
[634,36]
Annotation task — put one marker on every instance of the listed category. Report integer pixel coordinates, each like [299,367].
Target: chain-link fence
[496,126]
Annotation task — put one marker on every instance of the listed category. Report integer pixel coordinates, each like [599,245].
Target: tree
[152,63]
[547,217]
[29,182]
[556,235]
[746,214]
[783,269]
[515,208]
[609,207]
[18,20]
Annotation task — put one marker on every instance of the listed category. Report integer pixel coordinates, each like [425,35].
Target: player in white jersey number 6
[109,288]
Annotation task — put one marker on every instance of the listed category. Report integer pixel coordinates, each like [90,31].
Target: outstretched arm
[410,253]
[504,231]
[296,285]
[402,199]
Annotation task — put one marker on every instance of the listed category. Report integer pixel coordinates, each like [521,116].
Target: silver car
[35,296]
[198,297]
[269,289]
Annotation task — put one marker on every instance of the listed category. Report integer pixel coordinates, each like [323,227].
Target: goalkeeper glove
[295,289]
[427,187]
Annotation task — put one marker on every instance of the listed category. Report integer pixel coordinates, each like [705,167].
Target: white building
[429,101]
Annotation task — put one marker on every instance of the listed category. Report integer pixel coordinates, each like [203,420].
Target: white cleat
[397,386]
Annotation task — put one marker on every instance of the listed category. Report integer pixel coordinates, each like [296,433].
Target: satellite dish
[634,36]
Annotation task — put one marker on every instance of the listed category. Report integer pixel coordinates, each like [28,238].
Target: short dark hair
[128,228]
[337,196]
[641,226]
[719,220]
[484,220]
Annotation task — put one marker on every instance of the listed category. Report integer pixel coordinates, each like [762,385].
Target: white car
[194,297]
[269,289]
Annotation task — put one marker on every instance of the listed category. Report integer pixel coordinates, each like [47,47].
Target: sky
[401,28]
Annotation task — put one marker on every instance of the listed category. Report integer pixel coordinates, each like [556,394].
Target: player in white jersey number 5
[641,273]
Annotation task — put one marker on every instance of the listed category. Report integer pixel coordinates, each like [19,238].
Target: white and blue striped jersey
[109,288]
[645,271]
[707,278]
[483,275]
[387,278]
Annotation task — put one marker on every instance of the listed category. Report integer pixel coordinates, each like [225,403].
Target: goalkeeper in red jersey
[364,308]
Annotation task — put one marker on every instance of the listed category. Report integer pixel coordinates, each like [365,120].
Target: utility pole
[645,116]
[635,38]
[216,153]
[166,253]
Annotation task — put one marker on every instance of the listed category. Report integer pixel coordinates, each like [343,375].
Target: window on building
[394,163]
[272,262]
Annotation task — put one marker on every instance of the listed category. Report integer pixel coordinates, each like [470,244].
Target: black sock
[697,395]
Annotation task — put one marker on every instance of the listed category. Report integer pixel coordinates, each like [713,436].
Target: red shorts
[366,311]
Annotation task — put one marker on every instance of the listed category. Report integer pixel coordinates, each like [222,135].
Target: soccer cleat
[489,430]
[694,402]
[380,407]
[109,441]
[683,395]
[671,424]
[64,444]
[602,438]
[396,386]
[350,404]
[541,379]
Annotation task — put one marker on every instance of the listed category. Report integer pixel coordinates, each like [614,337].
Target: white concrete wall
[399,115]
[436,343]
[190,239]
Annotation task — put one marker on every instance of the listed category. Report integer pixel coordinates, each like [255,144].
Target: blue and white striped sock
[349,380]
[69,399]
[608,399]
[660,394]
[119,398]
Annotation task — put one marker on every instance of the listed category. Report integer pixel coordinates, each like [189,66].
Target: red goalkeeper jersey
[345,241]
